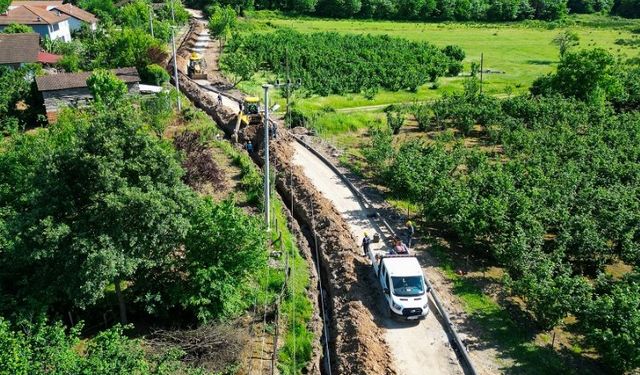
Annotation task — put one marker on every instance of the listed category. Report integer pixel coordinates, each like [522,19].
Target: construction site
[360,331]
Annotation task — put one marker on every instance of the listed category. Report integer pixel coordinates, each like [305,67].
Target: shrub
[154,74]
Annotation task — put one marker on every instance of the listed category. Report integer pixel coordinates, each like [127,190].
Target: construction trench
[358,331]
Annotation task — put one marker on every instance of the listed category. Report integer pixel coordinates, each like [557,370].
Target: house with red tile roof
[51,19]
[48,23]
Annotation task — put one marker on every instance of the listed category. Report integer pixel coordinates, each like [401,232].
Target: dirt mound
[356,339]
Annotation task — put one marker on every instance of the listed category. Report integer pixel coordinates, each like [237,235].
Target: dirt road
[418,349]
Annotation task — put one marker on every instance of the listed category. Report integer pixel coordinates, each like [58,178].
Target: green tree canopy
[17,28]
[222,22]
[592,75]
[611,322]
[106,88]
[85,204]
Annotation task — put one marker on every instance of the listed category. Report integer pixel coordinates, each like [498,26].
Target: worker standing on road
[410,232]
[220,100]
[366,244]
[249,147]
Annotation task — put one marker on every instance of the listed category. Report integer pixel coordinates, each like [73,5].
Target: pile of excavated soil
[356,340]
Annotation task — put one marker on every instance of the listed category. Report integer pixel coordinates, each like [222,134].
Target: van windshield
[407,286]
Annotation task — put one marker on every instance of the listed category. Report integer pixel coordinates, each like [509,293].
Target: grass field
[523,51]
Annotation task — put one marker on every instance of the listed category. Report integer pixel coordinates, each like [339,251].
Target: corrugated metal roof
[65,81]
[19,48]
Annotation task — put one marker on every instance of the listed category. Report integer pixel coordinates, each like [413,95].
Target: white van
[403,284]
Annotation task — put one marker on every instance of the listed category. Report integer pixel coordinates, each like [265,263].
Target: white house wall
[63,32]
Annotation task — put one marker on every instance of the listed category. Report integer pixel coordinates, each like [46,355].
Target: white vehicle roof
[402,266]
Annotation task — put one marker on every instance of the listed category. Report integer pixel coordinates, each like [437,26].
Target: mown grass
[523,51]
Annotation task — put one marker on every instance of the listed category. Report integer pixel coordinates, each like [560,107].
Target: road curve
[418,349]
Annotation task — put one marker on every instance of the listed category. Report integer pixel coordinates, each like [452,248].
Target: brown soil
[355,338]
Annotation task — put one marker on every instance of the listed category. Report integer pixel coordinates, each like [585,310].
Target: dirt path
[417,348]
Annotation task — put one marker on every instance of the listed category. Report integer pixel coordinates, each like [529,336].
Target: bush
[154,74]
[17,28]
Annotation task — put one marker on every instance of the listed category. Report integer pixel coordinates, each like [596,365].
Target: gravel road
[418,349]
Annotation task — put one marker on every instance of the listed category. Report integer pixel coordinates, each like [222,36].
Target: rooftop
[402,265]
[31,15]
[37,3]
[19,48]
[76,12]
[63,81]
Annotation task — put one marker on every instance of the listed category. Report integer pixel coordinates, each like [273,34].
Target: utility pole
[267,187]
[289,86]
[151,19]
[481,69]
[175,68]
[173,16]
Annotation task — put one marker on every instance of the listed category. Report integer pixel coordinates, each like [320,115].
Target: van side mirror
[429,290]
[386,291]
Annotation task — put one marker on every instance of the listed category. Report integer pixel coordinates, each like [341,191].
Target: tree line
[553,196]
[439,10]
[331,63]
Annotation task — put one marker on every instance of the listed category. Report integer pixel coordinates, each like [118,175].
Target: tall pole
[481,69]
[173,16]
[151,20]
[175,69]
[267,206]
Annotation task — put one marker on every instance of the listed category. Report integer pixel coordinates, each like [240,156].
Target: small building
[70,89]
[19,49]
[47,23]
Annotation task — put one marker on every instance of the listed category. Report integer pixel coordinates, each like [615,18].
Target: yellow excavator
[196,67]
[249,113]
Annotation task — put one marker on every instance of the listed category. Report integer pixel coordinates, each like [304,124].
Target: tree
[48,348]
[611,322]
[222,22]
[590,75]
[124,48]
[4,5]
[566,40]
[18,86]
[395,118]
[93,201]
[135,14]
[548,288]
[17,28]
[218,265]
[106,88]
[240,66]
[627,8]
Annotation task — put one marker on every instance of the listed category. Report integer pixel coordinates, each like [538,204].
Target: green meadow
[516,53]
